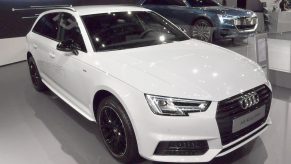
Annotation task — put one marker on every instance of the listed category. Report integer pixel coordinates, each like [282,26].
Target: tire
[35,76]
[117,131]
[202,30]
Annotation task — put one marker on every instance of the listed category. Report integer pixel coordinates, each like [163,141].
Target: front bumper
[152,129]
[226,31]
[215,148]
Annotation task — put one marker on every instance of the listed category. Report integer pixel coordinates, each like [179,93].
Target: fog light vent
[185,148]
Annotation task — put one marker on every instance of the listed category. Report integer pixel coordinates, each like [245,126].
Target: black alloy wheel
[117,131]
[35,76]
[113,131]
[202,30]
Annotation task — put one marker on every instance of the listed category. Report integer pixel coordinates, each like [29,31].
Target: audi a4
[154,92]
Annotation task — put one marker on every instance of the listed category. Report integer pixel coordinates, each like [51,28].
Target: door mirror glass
[68,46]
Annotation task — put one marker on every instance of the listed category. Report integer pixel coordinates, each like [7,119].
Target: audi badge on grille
[248,100]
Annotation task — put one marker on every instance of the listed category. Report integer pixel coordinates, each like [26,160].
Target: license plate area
[248,119]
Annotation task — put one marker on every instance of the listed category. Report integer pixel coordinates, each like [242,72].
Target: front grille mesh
[229,109]
[246,23]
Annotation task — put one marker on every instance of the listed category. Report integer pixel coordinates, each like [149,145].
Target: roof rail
[49,7]
[65,8]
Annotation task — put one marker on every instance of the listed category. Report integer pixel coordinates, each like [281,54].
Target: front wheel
[117,132]
[202,30]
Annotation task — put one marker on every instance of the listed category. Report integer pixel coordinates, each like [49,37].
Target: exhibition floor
[39,128]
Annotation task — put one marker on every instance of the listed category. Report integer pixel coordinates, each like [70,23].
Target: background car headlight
[174,106]
[254,14]
[226,19]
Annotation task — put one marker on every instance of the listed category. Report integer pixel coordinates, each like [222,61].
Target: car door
[70,70]
[156,5]
[177,11]
[45,39]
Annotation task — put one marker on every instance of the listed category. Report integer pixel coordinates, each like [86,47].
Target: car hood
[188,69]
[236,12]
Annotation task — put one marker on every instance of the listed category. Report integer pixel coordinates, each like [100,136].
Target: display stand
[258,50]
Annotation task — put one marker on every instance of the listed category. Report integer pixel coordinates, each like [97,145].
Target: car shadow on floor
[79,138]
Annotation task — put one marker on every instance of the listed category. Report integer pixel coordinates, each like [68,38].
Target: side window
[48,26]
[165,2]
[203,3]
[69,30]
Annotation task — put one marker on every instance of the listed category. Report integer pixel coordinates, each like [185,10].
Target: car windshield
[203,3]
[122,30]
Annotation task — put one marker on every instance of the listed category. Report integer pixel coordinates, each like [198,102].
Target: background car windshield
[121,30]
[203,3]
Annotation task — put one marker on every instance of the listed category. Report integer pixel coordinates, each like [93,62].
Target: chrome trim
[248,100]
[251,136]
[249,30]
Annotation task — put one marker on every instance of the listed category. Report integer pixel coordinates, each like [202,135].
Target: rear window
[48,26]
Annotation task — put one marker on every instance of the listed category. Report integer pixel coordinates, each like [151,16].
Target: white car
[153,91]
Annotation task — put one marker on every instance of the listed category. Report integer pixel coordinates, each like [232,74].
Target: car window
[165,2]
[48,26]
[121,30]
[203,3]
[69,30]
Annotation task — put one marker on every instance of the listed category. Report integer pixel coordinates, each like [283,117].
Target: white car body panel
[189,69]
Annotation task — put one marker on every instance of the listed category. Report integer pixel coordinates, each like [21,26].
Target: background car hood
[236,12]
[188,69]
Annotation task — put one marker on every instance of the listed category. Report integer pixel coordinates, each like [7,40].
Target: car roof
[99,9]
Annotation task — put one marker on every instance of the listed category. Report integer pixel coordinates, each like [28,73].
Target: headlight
[174,106]
[225,19]
[254,14]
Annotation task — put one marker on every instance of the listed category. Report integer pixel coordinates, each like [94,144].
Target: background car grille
[229,109]
[246,23]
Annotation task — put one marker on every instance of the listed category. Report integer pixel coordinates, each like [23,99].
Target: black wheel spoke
[33,73]
[201,30]
[113,131]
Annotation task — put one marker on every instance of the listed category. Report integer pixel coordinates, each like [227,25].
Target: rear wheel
[202,30]
[117,132]
[35,76]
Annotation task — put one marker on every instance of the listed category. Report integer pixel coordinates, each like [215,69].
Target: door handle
[34,46]
[52,55]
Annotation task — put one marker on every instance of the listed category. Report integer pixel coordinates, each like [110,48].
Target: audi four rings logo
[248,100]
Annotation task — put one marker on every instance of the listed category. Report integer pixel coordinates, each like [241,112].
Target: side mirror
[68,46]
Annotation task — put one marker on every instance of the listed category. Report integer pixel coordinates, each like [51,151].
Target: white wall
[271,4]
[12,50]
[279,58]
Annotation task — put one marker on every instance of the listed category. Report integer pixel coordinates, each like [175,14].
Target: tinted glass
[165,2]
[203,3]
[71,31]
[48,26]
[121,30]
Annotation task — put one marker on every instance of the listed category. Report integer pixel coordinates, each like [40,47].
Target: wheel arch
[28,54]
[98,97]
[202,17]
[103,92]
